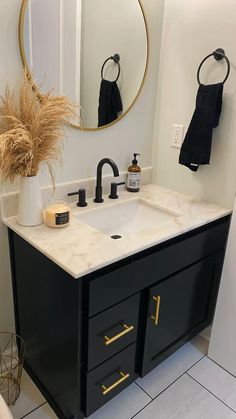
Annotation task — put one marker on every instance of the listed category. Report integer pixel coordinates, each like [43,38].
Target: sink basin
[126,218]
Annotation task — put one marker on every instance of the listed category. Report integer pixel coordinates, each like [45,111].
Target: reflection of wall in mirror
[52,35]
[109,27]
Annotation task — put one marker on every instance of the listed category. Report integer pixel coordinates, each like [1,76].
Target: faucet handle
[114,186]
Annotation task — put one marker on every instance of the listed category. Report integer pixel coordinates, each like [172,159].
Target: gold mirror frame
[26,66]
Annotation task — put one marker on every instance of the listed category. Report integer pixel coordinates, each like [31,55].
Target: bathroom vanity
[97,313]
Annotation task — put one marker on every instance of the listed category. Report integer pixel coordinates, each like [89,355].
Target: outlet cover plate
[177,136]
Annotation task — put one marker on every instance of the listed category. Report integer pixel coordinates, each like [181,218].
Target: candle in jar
[57,214]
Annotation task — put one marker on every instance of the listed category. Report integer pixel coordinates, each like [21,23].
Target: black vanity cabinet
[88,339]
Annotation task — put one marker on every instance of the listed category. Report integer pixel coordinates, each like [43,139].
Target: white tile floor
[188,385]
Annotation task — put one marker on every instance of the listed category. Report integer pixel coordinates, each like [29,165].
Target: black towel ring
[116,59]
[218,54]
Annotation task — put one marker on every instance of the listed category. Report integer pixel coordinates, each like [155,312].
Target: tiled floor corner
[188,385]
[216,380]
[177,364]
[186,399]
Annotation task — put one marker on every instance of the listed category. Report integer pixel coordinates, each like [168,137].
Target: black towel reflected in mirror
[110,103]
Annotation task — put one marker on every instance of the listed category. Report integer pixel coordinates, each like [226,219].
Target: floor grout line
[166,388]
[228,372]
[210,392]
[143,390]
[176,379]
[195,363]
[31,411]
[143,408]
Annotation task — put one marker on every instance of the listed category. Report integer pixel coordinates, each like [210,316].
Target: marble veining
[80,249]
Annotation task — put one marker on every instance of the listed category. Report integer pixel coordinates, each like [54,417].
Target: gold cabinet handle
[157,299]
[107,390]
[127,329]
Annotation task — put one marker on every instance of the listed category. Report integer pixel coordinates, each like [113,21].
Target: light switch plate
[177,136]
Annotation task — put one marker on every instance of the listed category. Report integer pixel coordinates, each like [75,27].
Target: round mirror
[93,51]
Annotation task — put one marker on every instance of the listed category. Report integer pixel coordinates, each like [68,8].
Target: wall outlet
[177,136]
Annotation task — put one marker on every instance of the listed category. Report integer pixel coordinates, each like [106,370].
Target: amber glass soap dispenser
[134,175]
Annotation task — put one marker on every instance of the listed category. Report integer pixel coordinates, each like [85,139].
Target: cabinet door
[176,306]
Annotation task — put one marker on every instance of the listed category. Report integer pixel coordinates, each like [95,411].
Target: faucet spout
[98,192]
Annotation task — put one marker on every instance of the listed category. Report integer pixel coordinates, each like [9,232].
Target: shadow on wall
[223,153]
[222,159]
[6,300]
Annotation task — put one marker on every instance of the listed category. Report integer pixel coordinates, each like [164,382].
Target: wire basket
[12,353]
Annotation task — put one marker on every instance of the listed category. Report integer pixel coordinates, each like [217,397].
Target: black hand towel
[110,103]
[196,148]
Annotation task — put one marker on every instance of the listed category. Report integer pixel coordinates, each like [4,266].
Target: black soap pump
[134,175]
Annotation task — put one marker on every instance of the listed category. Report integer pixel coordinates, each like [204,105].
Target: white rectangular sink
[126,218]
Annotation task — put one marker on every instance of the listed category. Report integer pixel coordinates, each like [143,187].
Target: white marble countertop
[80,249]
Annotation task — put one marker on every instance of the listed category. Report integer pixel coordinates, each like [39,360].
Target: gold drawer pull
[158,303]
[107,390]
[127,329]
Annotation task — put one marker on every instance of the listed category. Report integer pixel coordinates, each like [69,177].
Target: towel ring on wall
[116,59]
[218,54]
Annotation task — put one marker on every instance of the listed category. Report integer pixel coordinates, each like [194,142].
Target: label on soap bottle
[134,179]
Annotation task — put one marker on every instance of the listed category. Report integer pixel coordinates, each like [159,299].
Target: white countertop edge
[9,223]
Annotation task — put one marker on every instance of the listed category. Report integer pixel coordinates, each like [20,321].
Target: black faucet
[98,190]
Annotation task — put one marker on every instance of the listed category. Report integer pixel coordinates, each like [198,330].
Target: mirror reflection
[94,51]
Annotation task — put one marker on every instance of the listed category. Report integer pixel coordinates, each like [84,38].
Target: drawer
[130,276]
[112,331]
[109,379]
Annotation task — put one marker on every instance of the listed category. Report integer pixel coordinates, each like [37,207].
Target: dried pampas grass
[31,131]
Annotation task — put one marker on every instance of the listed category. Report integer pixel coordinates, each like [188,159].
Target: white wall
[82,149]
[222,347]
[192,29]
[120,30]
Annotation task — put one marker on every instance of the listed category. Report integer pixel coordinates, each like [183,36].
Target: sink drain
[116,237]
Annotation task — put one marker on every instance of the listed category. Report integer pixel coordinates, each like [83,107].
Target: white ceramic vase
[30,208]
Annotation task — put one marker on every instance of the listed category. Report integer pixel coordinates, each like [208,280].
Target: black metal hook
[116,59]
[218,54]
